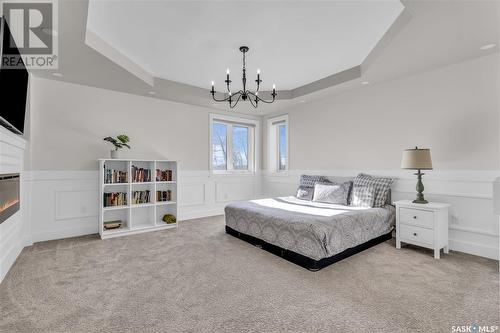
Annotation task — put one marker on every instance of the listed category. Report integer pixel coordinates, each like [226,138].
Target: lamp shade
[416,159]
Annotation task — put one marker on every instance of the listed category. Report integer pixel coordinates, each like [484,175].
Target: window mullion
[229,157]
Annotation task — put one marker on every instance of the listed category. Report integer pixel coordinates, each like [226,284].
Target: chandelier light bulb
[274,86]
[213,83]
[227,71]
[258,71]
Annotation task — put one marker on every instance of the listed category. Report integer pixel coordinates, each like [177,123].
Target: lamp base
[420,189]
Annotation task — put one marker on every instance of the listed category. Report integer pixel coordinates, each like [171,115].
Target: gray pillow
[382,187]
[305,193]
[310,181]
[363,196]
[332,193]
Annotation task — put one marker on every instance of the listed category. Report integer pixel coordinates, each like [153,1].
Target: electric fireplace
[9,195]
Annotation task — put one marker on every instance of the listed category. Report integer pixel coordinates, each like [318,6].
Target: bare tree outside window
[240,148]
[219,146]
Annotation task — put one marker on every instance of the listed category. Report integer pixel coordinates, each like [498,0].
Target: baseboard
[474,248]
[200,214]
[64,233]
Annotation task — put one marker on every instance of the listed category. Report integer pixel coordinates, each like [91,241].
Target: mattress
[315,230]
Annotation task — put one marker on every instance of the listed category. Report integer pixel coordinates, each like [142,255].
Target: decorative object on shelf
[244,94]
[417,159]
[169,219]
[112,224]
[119,142]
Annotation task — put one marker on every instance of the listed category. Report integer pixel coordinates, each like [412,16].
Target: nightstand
[424,225]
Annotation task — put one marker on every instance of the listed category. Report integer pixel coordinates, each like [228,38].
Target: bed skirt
[303,261]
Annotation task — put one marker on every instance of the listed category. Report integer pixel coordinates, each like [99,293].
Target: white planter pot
[115,154]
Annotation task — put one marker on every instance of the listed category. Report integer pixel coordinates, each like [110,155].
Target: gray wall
[453,110]
[68,123]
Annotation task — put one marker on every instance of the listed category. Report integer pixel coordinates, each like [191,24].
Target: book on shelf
[163,175]
[140,175]
[162,196]
[140,197]
[115,199]
[112,176]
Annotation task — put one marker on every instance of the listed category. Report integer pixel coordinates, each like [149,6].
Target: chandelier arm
[220,100]
[262,100]
[236,102]
[252,102]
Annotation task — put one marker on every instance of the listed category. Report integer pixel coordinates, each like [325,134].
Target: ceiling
[293,43]
[426,35]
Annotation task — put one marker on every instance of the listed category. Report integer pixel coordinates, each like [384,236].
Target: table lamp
[417,159]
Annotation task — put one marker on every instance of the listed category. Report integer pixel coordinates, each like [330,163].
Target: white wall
[452,110]
[68,124]
[12,231]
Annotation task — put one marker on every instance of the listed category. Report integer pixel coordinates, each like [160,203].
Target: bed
[310,234]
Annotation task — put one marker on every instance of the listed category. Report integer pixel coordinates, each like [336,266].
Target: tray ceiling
[292,43]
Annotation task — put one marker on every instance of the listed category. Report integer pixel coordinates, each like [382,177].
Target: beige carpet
[198,279]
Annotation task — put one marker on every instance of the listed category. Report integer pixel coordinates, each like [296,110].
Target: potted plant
[119,142]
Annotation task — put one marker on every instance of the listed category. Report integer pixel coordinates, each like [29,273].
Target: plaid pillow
[363,196]
[382,187]
[305,193]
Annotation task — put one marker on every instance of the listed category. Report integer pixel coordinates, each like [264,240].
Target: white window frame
[253,143]
[273,143]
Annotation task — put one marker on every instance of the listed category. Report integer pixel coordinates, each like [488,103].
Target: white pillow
[332,193]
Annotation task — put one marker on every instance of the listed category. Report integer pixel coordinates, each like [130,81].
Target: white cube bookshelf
[142,216]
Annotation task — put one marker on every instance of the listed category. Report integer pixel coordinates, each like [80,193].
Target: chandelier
[244,94]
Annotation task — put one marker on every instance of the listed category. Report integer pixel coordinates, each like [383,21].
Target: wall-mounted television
[13,83]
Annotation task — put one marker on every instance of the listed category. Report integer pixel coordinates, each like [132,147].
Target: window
[278,143]
[232,146]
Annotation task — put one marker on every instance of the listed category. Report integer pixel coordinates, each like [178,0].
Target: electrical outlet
[454,219]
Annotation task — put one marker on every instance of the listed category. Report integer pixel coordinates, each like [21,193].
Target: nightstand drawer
[421,235]
[421,218]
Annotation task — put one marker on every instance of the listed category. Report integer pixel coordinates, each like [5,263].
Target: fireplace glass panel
[9,195]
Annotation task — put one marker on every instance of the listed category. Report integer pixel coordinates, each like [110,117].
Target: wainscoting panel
[232,191]
[57,213]
[473,227]
[65,203]
[191,194]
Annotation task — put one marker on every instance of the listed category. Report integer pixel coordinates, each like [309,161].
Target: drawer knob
[414,234]
[415,217]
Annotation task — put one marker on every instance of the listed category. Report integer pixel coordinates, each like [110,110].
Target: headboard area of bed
[338,179]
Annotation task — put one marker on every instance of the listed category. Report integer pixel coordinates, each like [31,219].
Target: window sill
[233,173]
[275,173]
